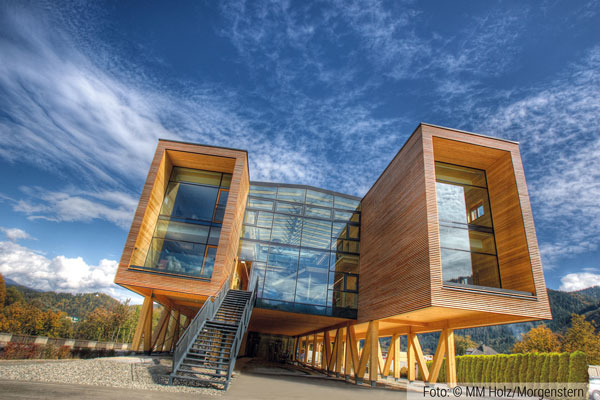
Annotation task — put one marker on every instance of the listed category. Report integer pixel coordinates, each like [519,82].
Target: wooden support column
[339,359]
[379,357]
[364,357]
[141,325]
[161,328]
[374,360]
[438,358]
[410,358]
[388,361]
[413,341]
[351,360]
[170,343]
[296,347]
[314,360]
[305,347]
[177,330]
[334,353]
[450,357]
[148,329]
[396,340]
[327,352]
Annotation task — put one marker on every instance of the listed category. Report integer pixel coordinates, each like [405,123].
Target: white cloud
[62,274]
[579,281]
[76,205]
[14,234]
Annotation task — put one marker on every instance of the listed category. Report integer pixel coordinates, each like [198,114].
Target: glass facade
[467,240]
[189,223]
[303,247]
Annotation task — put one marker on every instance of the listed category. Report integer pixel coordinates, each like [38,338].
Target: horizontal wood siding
[170,154]
[394,259]
[520,263]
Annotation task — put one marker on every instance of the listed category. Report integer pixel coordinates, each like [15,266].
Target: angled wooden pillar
[141,325]
[314,351]
[365,354]
[351,362]
[450,357]
[305,347]
[339,362]
[413,341]
[396,340]
[379,357]
[148,329]
[334,353]
[170,343]
[438,359]
[177,330]
[161,328]
[327,352]
[390,356]
[374,360]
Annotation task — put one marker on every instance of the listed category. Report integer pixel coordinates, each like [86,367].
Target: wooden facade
[401,290]
[189,293]
[400,262]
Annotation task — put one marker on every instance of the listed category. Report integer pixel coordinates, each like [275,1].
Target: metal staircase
[207,352]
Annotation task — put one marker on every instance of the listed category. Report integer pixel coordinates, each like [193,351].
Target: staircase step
[189,371]
[221,326]
[191,378]
[209,353]
[226,341]
[206,362]
[211,373]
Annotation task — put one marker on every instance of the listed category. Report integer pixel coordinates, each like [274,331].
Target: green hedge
[515,368]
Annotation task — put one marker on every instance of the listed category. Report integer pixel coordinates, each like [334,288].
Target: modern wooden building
[443,240]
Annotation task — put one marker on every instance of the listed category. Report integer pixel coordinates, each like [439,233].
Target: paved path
[246,386]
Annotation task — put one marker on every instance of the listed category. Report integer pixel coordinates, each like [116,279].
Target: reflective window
[318,212]
[188,228]
[286,229]
[282,269]
[314,197]
[295,195]
[263,191]
[313,271]
[467,242]
[307,257]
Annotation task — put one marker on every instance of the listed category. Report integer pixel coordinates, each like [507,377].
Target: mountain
[563,304]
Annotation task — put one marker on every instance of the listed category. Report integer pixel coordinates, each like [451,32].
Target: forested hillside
[563,304]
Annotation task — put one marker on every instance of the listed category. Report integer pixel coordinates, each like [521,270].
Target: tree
[582,337]
[538,340]
[553,367]
[523,368]
[462,343]
[2,292]
[563,367]
[578,367]
[13,295]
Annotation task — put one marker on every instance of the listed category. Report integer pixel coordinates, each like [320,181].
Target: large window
[302,245]
[189,223]
[467,240]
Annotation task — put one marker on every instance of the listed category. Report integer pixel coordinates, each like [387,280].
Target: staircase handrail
[206,312]
[241,330]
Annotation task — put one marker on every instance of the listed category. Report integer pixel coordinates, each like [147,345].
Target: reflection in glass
[180,174]
[286,229]
[295,195]
[304,261]
[183,258]
[174,230]
[467,241]
[319,198]
[263,191]
[280,278]
[313,270]
[191,201]
[316,234]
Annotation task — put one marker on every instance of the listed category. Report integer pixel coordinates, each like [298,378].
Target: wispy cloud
[15,234]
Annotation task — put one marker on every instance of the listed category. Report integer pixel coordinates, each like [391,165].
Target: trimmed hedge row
[519,368]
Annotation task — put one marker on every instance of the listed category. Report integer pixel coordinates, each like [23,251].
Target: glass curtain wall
[303,245]
[189,223]
[467,240]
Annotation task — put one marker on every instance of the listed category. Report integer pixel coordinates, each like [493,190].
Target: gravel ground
[150,373]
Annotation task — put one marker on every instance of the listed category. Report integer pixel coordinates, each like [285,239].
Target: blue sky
[319,93]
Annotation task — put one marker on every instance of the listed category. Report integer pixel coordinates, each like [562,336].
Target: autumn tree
[2,292]
[462,343]
[539,339]
[581,336]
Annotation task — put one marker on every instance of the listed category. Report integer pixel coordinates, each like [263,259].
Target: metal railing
[207,312]
[241,330]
